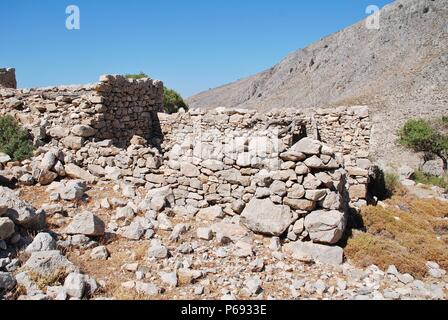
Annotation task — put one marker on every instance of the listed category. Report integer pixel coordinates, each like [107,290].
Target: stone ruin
[8,78]
[283,173]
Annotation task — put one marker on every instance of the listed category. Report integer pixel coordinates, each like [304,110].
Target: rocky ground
[85,256]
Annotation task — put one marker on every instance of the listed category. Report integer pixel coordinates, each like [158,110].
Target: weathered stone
[17,210]
[86,223]
[75,285]
[326,226]
[210,213]
[307,251]
[6,228]
[189,170]
[48,263]
[7,281]
[99,253]
[300,204]
[72,142]
[263,216]
[75,172]
[307,146]
[357,192]
[316,195]
[204,234]
[73,190]
[42,242]
[213,165]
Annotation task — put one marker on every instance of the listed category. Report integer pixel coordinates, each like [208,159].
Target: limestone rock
[42,242]
[308,251]
[263,216]
[326,226]
[86,223]
[48,263]
[307,146]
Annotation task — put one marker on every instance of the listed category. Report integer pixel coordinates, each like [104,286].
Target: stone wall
[8,78]
[246,139]
[115,108]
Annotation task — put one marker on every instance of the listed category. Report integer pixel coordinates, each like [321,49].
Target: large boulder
[263,216]
[16,209]
[326,226]
[48,263]
[308,251]
[87,224]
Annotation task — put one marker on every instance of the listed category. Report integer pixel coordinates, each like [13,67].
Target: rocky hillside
[399,70]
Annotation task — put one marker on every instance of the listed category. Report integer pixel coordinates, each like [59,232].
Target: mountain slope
[400,70]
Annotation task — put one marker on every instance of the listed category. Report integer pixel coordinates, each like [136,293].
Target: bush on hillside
[427,137]
[172,101]
[14,139]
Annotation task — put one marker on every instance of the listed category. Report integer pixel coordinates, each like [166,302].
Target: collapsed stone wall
[8,78]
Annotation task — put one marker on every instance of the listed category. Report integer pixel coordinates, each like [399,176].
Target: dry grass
[54,279]
[407,234]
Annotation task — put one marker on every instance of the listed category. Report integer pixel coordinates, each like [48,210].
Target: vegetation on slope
[407,233]
[14,139]
[428,137]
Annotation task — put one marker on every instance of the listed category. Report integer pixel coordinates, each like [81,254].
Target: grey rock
[263,216]
[307,146]
[204,233]
[210,213]
[86,223]
[17,210]
[75,285]
[325,226]
[6,228]
[99,253]
[84,131]
[42,242]
[47,263]
[169,278]
[7,281]
[307,251]
[148,289]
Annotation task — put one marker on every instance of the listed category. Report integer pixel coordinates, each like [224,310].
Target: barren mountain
[400,71]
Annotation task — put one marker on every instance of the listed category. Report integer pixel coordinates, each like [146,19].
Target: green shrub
[172,101]
[140,75]
[14,139]
[391,183]
[428,137]
[421,177]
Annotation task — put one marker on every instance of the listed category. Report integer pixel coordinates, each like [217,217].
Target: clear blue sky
[192,45]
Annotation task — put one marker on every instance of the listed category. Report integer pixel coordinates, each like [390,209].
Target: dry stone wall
[8,78]
[115,108]
[247,140]
[278,173]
